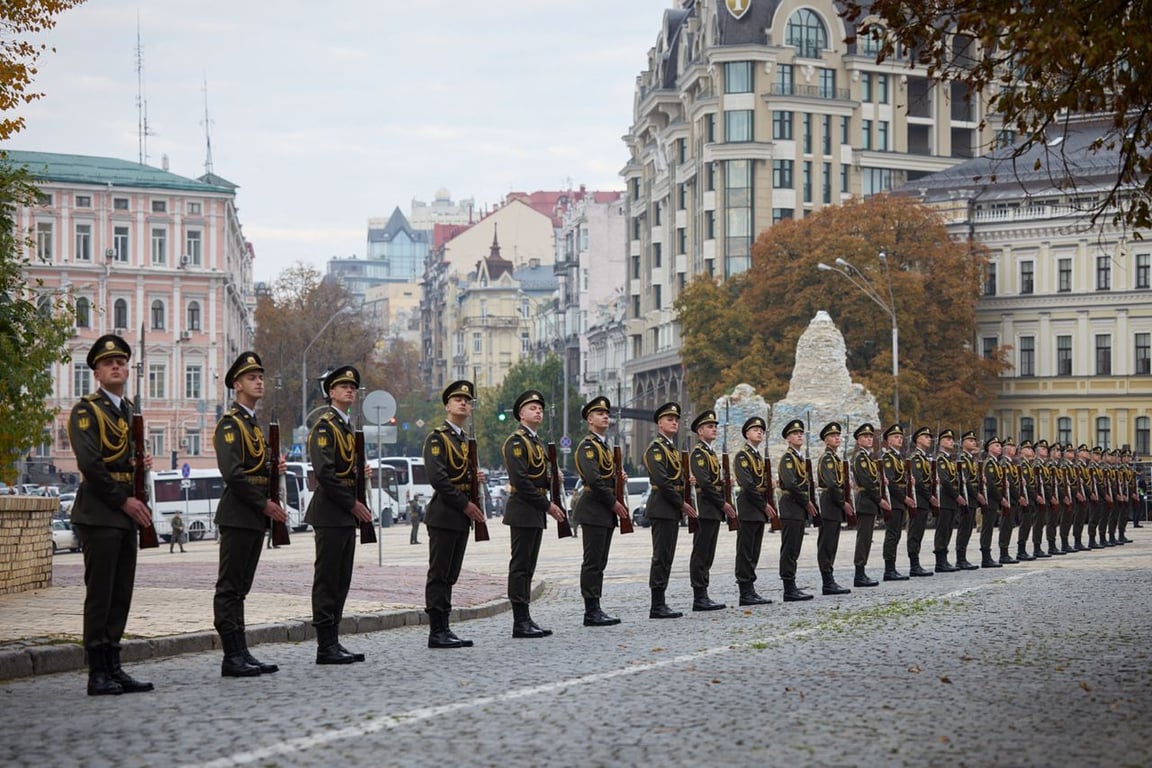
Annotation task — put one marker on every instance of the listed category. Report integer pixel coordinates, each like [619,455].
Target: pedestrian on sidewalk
[177,537]
[415,515]
[244,512]
[106,514]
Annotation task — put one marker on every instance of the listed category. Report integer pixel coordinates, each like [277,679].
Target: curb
[36,660]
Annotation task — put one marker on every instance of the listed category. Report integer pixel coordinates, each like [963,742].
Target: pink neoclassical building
[135,246]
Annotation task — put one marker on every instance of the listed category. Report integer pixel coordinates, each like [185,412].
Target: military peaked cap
[752,423]
[461,388]
[600,403]
[863,430]
[831,428]
[706,417]
[247,362]
[895,429]
[345,374]
[531,396]
[108,345]
[793,426]
[668,409]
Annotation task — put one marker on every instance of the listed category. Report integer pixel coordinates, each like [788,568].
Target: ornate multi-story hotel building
[135,246]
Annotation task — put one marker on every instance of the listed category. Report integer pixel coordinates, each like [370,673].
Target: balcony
[810,92]
[490,321]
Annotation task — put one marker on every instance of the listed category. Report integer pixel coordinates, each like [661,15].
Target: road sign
[378,407]
[419,423]
[404,426]
[185,484]
[565,443]
[186,470]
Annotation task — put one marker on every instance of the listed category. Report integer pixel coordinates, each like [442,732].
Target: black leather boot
[522,625]
[532,621]
[117,673]
[942,564]
[1022,553]
[660,609]
[99,681]
[1064,547]
[986,560]
[890,572]
[914,568]
[1038,552]
[748,594]
[265,669]
[328,647]
[792,593]
[963,564]
[701,601]
[234,663]
[863,579]
[438,634]
[832,588]
[594,617]
[1006,557]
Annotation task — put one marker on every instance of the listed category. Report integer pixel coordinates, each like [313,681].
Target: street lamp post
[304,365]
[856,277]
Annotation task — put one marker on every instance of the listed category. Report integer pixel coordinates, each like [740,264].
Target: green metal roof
[84,169]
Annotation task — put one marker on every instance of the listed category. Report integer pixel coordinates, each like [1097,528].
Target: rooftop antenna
[207,131]
[141,103]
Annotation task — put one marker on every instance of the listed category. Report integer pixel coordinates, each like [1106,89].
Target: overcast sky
[328,113]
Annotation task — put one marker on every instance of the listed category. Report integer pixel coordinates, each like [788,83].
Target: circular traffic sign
[565,442]
[378,407]
[186,470]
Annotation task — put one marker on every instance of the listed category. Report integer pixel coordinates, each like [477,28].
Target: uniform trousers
[943,536]
[240,550]
[597,543]
[703,553]
[965,523]
[332,575]
[522,564]
[865,530]
[109,576]
[791,539]
[664,535]
[893,529]
[446,548]
[917,523]
[827,544]
[749,542]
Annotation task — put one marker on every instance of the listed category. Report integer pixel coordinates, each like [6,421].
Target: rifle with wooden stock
[686,494]
[846,482]
[279,530]
[885,491]
[770,493]
[481,527]
[367,529]
[621,489]
[563,527]
[808,469]
[726,482]
[148,538]
[910,486]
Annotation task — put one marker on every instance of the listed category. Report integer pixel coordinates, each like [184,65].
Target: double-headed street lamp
[304,363]
[856,277]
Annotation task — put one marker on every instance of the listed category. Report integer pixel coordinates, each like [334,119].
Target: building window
[483,309]
[157,373]
[194,208]
[1063,355]
[120,315]
[882,135]
[1103,354]
[681,204]
[44,240]
[1027,277]
[826,134]
[1143,435]
[44,199]
[709,225]
[119,203]
[1027,428]
[806,33]
[990,279]
[81,379]
[989,427]
[1004,138]
[806,181]
[83,242]
[657,255]
[120,244]
[193,247]
[83,312]
[1027,356]
[159,206]
[83,201]
[1103,273]
[1104,432]
[738,234]
[1064,271]
[845,127]
[193,382]
[784,80]
[657,297]
[156,442]
[159,246]
[1143,270]
[460,343]
[682,240]
[635,306]
[782,174]
[1064,429]
[780,214]
[710,177]
[738,77]
[882,89]
[844,179]
[827,83]
[525,343]
[738,125]
[636,267]
[781,125]
[988,346]
[876,180]
[194,316]
[866,134]
[192,443]
[158,315]
[477,343]
[866,86]
[1143,353]
[826,181]
[681,151]
[807,133]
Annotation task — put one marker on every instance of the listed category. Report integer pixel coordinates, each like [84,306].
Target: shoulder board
[92,397]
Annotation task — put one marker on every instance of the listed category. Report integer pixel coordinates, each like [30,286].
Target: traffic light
[392,421]
[500,414]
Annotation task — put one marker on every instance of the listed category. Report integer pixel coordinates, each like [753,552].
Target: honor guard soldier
[334,513]
[1010,462]
[1096,491]
[1063,491]
[870,501]
[1028,496]
[834,507]
[106,514]
[897,483]
[527,508]
[795,508]
[923,495]
[450,513]
[969,471]
[1129,489]
[597,508]
[1117,520]
[997,505]
[712,507]
[949,499]
[1042,472]
[244,512]
[753,507]
[1077,494]
[666,505]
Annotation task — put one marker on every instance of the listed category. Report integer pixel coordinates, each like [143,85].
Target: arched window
[1104,432]
[869,39]
[194,316]
[120,314]
[83,312]
[806,32]
[44,306]
[158,315]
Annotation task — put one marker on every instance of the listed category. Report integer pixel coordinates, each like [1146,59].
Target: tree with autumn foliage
[1039,65]
[746,329]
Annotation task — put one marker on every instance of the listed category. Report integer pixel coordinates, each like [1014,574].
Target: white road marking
[389,722]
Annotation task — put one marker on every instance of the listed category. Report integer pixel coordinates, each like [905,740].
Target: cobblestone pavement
[1033,664]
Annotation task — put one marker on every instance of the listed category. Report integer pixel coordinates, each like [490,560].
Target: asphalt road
[1026,665]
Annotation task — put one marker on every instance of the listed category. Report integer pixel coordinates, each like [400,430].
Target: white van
[382,493]
[411,477]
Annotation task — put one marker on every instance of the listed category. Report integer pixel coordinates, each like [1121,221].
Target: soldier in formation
[666,504]
[711,506]
[754,507]
[835,507]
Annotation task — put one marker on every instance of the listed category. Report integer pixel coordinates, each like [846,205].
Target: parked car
[66,502]
[63,537]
